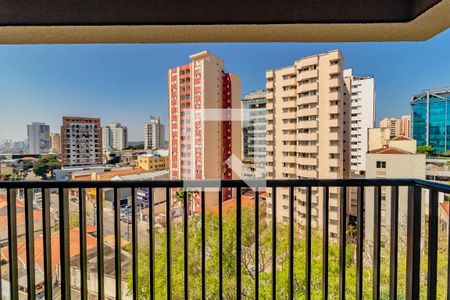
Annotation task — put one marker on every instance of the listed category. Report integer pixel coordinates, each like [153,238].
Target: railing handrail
[414,241]
[352,182]
[440,187]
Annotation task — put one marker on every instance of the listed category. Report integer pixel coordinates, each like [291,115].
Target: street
[108,220]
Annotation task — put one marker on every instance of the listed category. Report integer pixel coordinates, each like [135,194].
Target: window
[381,165]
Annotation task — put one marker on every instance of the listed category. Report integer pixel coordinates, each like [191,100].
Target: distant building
[81,141]
[398,159]
[114,137]
[154,134]
[438,169]
[151,163]
[38,138]
[254,135]
[55,141]
[203,137]
[393,124]
[431,120]
[362,118]
[405,125]
[378,138]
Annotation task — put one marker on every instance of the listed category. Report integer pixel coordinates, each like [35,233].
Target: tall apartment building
[154,134]
[308,131]
[431,118]
[405,125]
[55,142]
[254,135]
[362,118]
[393,124]
[38,138]
[202,134]
[81,141]
[114,136]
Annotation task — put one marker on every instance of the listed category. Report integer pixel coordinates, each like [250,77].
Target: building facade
[378,138]
[55,141]
[393,124]
[114,137]
[254,135]
[203,136]
[363,110]
[38,138]
[430,112]
[397,159]
[308,120]
[81,141]
[151,162]
[154,134]
[405,125]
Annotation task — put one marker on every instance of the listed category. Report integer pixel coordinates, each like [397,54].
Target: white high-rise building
[114,136]
[38,138]
[362,118]
[154,134]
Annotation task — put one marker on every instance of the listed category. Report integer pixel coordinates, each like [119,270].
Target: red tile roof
[28,158]
[229,206]
[74,243]
[446,207]
[389,150]
[402,138]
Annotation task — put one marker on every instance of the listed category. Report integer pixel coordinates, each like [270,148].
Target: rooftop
[389,150]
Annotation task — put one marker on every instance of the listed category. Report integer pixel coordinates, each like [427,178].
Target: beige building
[405,125]
[150,162]
[378,138]
[393,124]
[55,143]
[381,138]
[398,159]
[203,134]
[308,120]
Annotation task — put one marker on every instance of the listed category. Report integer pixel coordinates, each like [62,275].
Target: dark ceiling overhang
[218,12]
[90,21]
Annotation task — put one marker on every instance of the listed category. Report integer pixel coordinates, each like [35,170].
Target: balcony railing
[352,193]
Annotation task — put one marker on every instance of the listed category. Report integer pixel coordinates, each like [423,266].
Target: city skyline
[128,83]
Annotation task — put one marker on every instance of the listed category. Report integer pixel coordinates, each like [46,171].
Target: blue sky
[128,83]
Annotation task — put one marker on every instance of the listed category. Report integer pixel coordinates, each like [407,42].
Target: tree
[45,165]
[428,150]
[74,220]
[264,264]
[137,147]
[190,198]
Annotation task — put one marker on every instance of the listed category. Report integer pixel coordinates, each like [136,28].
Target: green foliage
[45,165]
[445,154]
[428,150]
[265,262]
[137,147]
[74,220]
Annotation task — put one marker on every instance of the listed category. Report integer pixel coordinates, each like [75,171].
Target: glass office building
[430,112]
